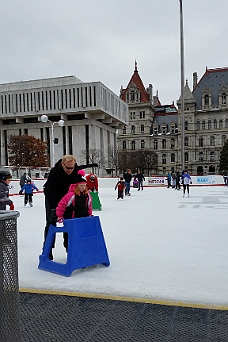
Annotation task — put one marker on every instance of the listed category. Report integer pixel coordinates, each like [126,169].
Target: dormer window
[223,98]
[133,94]
[206,100]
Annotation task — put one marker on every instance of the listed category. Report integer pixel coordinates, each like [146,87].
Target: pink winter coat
[69,199]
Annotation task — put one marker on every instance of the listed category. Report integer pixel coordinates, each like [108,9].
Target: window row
[206,100]
[133,144]
[133,129]
[48,100]
[211,124]
[211,156]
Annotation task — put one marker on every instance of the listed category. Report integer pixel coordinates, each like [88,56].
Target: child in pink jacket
[76,203]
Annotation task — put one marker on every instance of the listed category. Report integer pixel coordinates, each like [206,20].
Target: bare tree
[145,160]
[92,156]
[112,162]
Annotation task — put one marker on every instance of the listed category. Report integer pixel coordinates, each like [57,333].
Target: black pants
[28,197]
[140,185]
[120,193]
[48,216]
[184,188]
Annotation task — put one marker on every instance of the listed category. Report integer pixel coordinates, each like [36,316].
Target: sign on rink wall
[155,181]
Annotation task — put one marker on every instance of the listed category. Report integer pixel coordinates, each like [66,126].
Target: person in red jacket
[120,186]
[92,182]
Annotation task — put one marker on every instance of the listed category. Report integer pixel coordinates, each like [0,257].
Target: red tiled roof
[136,79]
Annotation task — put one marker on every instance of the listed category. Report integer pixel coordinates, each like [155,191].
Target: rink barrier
[86,246]
[210,180]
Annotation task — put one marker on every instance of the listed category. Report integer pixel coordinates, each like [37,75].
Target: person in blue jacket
[28,191]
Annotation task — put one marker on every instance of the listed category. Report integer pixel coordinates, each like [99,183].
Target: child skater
[76,203]
[28,191]
[120,186]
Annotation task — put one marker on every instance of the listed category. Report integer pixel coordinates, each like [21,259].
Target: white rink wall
[210,180]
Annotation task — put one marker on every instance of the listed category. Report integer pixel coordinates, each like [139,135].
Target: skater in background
[28,189]
[23,180]
[178,176]
[5,178]
[169,178]
[92,182]
[127,178]
[140,178]
[174,181]
[120,186]
[135,183]
[186,180]
[76,203]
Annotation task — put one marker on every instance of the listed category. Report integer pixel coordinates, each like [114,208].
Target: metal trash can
[9,287]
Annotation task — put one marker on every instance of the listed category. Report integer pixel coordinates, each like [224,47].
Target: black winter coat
[58,182]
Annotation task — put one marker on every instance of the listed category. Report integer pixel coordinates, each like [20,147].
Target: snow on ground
[161,247]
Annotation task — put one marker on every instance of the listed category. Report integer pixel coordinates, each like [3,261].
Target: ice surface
[161,246]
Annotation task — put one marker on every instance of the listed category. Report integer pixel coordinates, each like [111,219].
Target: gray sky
[99,40]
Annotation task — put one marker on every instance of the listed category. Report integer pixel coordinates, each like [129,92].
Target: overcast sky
[99,40]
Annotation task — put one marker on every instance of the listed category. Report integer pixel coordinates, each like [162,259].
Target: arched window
[186,141]
[209,124]
[223,140]
[133,129]
[142,143]
[142,128]
[200,141]
[164,158]
[206,100]
[133,145]
[198,125]
[200,155]
[124,145]
[124,130]
[155,144]
[223,98]
[215,124]
[172,158]
[132,95]
[220,124]
[203,124]
[186,156]
[212,141]
[163,143]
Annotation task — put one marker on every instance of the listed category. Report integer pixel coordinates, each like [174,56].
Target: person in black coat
[61,176]
[140,178]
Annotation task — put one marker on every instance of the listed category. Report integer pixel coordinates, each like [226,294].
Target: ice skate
[30,203]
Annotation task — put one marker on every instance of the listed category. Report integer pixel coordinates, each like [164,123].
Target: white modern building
[92,113]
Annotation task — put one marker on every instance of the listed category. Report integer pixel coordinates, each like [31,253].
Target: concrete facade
[92,114]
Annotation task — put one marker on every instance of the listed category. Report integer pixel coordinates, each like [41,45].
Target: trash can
[9,287]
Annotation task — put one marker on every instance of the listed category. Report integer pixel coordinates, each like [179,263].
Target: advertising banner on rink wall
[155,181]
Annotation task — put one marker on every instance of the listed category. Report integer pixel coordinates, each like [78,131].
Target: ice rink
[162,247]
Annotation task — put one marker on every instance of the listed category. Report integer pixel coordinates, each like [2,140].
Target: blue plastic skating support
[86,246]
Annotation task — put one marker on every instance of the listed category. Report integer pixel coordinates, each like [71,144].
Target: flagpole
[182,87]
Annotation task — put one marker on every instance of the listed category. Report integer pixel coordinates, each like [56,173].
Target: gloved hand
[53,217]
[20,192]
[11,206]
[59,223]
